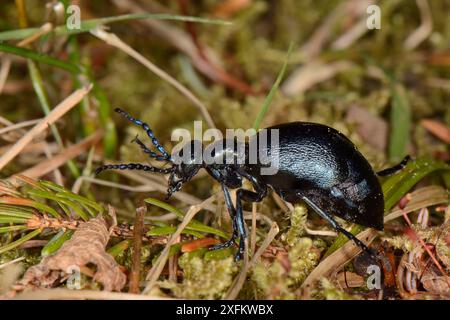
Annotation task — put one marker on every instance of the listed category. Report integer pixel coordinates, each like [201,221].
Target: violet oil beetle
[316,164]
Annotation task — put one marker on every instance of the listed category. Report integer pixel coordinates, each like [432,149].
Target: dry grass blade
[315,43]
[154,273]
[19,125]
[68,294]
[422,198]
[4,265]
[61,109]
[115,41]
[43,168]
[311,74]
[425,28]
[79,182]
[4,72]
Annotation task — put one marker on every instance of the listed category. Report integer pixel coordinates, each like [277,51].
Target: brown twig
[135,272]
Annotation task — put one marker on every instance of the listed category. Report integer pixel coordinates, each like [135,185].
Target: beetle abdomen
[321,163]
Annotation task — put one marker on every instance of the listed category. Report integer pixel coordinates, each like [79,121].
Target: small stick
[135,273]
[19,125]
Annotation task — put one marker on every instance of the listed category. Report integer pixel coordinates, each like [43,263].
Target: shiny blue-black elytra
[316,164]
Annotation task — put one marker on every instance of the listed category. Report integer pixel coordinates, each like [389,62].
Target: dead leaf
[434,283]
[197,244]
[87,246]
[437,128]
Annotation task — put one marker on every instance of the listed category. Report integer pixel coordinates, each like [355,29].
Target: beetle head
[186,163]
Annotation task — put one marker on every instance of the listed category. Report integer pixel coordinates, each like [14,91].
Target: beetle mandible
[316,164]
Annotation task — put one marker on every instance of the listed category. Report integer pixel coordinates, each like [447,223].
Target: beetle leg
[232,213]
[147,129]
[338,227]
[394,169]
[132,166]
[146,150]
[249,196]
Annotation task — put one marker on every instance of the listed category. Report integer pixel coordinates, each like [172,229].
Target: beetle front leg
[249,196]
[232,213]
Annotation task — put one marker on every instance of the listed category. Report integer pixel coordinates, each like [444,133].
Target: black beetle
[316,164]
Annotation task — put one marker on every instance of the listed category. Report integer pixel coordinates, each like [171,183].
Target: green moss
[275,281]
[329,292]
[202,279]
[298,224]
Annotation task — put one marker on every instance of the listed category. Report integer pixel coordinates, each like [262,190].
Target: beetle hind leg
[338,227]
[394,169]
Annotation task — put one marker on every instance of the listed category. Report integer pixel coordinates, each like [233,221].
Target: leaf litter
[86,247]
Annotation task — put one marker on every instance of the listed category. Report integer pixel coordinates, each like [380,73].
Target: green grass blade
[119,248]
[88,25]
[193,225]
[4,219]
[165,206]
[400,123]
[86,203]
[164,231]
[43,194]
[20,241]
[38,206]
[273,90]
[38,57]
[198,226]
[56,242]
[39,88]
[63,193]
[12,228]
[14,211]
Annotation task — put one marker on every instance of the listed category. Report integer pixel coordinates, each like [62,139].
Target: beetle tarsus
[396,168]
